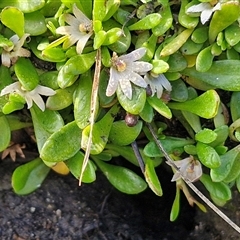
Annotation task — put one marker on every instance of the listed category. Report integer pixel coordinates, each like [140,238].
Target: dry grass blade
[93,111]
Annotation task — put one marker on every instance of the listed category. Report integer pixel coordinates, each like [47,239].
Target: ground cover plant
[92,81]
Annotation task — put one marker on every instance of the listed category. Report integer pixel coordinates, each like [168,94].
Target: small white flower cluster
[29,96]
[126,69]
[79,30]
[11,54]
[189,168]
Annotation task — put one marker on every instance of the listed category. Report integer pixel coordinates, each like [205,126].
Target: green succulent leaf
[82,100]
[222,74]
[229,12]
[176,206]
[26,74]
[206,105]
[121,134]
[160,106]
[227,162]
[134,105]
[206,136]
[74,66]
[29,176]
[62,144]
[75,165]
[34,23]
[219,191]
[62,99]
[13,18]
[152,178]
[101,130]
[45,124]
[5,135]
[208,155]
[123,179]
[170,144]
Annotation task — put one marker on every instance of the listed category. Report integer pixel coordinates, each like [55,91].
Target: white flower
[11,54]
[157,83]
[206,10]
[126,69]
[79,30]
[29,96]
[190,168]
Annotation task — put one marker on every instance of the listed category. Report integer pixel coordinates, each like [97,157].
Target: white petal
[126,88]
[28,100]
[82,42]
[14,39]
[39,102]
[113,82]
[79,15]
[69,41]
[22,52]
[11,88]
[6,61]
[205,15]
[134,55]
[64,30]
[176,177]
[71,20]
[159,90]
[217,7]
[20,43]
[198,8]
[137,80]
[140,66]
[46,91]
[165,83]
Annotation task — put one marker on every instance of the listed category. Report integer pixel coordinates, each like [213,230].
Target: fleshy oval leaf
[123,179]
[62,144]
[121,134]
[29,176]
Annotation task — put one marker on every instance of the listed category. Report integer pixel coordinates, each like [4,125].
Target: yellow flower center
[85,28]
[119,64]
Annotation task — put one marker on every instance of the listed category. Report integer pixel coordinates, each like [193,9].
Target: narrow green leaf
[5,135]
[170,144]
[152,178]
[176,206]
[160,106]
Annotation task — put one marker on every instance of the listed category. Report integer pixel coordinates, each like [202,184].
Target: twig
[190,184]
[138,156]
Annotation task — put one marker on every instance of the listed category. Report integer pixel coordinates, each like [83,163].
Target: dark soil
[60,209]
